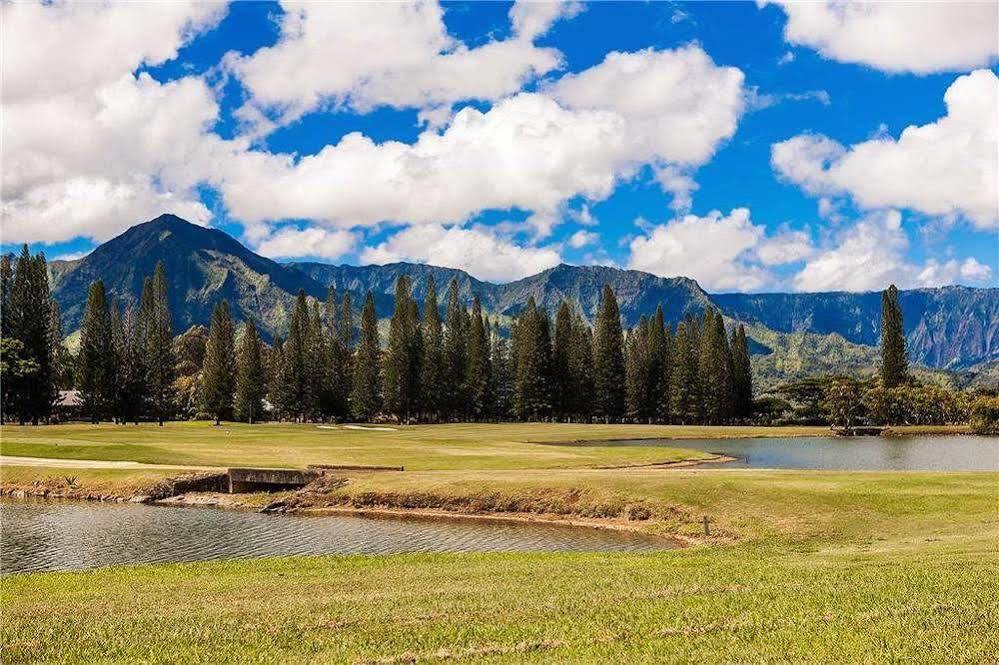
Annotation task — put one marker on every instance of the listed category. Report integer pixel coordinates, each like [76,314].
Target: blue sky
[754,148]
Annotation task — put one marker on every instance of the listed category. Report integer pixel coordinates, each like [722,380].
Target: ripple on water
[42,536]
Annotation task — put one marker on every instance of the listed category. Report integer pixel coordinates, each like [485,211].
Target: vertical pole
[707,530]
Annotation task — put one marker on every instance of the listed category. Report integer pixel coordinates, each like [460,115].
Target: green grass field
[813,566]
[420,447]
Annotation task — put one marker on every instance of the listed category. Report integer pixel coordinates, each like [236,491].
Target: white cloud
[716,250]
[531,151]
[678,105]
[786,59]
[679,183]
[89,148]
[311,242]
[870,255]
[478,251]
[943,168]
[582,238]
[919,37]
[395,54]
[969,271]
[785,247]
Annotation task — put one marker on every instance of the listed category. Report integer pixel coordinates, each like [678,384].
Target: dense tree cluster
[32,358]
[425,366]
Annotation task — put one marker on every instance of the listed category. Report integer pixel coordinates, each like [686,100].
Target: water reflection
[39,535]
[908,453]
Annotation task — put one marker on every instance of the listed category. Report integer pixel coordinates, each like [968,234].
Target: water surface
[52,535]
[849,453]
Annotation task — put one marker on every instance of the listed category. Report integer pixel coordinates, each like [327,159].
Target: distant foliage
[985,415]
[894,358]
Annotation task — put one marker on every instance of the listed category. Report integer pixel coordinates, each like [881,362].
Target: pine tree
[608,359]
[478,371]
[250,376]
[6,283]
[562,387]
[432,368]
[663,411]
[637,370]
[532,381]
[295,384]
[218,374]
[317,368]
[345,356]
[454,353]
[95,375]
[894,357]
[683,379]
[714,369]
[158,328]
[656,348]
[502,377]
[31,392]
[402,361]
[742,375]
[130,378]
[275,371]
[581,367]
[366,394]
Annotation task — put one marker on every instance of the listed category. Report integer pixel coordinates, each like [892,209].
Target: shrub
[985,415]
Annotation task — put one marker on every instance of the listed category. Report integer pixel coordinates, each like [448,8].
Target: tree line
[438,362]
[431,368]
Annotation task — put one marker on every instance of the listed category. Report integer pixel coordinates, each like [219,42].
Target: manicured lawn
[459,446]
[839,567]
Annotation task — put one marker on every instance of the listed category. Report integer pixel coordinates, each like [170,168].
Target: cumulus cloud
[871,254]
[90,148]
[582,238]
[366,55]
[311,242]
[785,247]
[919,37]
[677,104]
[531,151]
[478,251]
[716,250]
[943,168]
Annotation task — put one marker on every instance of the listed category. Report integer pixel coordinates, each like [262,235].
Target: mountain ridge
[952,327]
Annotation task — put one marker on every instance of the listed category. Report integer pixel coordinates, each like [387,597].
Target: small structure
[68,405]
[269,480]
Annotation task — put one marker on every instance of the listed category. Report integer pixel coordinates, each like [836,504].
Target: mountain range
[792,334]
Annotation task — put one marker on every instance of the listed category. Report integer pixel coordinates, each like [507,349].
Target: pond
[859,453]
[52,535]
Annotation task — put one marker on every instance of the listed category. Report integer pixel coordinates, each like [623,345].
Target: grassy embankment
[816,566]
[866,567]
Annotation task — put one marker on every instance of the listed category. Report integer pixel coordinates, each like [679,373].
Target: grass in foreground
[418,447]
[831,567]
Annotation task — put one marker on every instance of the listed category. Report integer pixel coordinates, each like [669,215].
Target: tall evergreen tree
[366,392]
[608,359]
[532,386]
[742,375]
[714,369]
[275,371]
[218,374]
[683,393]
[894,357]
[345,356]
[158,329]
[31,392]
[502,376]
[250,376]
[296,386]
[478,371]
[432,369]
[402,359]
[637,370]
[454,352]
[562,388]
[130,376]
[6,283]
[95,375]
[656,348]
[581,367]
